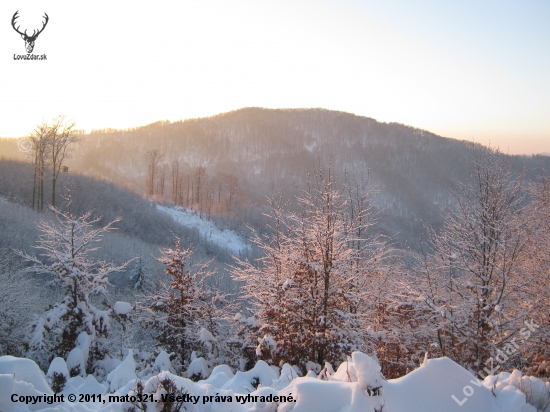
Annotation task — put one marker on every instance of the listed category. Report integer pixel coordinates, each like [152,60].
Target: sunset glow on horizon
[466,70]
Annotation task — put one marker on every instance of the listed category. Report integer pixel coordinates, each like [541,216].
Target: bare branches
[153,159]
[60,137]
[49,143]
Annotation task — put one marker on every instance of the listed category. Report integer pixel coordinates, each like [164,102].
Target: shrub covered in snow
[198,369]
[57,375]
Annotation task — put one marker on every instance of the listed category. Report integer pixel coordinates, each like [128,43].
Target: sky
[471,70]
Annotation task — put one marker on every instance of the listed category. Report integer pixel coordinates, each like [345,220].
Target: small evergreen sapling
[139,275]
[183,306]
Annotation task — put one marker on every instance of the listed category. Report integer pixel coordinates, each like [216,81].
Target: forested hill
[249,153]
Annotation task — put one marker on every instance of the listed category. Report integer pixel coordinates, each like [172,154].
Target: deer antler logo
[29,40]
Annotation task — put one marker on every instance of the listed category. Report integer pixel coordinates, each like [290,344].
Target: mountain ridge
[268,150]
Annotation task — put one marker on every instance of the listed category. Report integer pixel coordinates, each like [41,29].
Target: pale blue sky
[464,69]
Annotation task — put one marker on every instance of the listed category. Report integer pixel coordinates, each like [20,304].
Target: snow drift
[438,385]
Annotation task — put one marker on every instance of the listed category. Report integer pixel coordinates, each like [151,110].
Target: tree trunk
[34,180]
[54,179]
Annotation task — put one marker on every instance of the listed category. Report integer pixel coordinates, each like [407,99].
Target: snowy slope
[356,386]
[224,238]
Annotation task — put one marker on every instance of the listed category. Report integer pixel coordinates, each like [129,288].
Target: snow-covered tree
[537,350]
[475,281]
[185,313]
[72,327]
[140,276]
[310,290]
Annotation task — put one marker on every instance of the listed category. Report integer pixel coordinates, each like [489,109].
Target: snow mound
[91,386]
[59,366]
[345,372]
[123,373]
[219,376]
[228,239]
[24,370]
[6,388]
[84,341]
[76,381]
[246,382]
[357,385]
[438,385]
[104,366]
[207,338]
[76,362]
[78,357]
[259,405]
[316,395]
[199,367]
[288,374]
[507,386]
[153,387]
[369,375]
[312,366]
[122,308]
[431,388]
[162,363]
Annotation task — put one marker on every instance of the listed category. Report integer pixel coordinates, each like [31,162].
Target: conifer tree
[310,290]
[183,307]
[140,275]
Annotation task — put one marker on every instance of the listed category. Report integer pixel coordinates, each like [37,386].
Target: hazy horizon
[464,70]
[488,143]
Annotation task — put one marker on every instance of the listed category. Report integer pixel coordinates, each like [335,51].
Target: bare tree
[153,158]
[176,184]
[49,143]
[232,185]
[40,146]
[199,182]
[60,136]
[161,181]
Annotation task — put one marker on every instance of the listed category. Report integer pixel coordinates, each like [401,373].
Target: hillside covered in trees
[226,165]
[135,294]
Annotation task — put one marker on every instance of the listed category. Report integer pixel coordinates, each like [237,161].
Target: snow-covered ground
[224,238]
[439,385]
